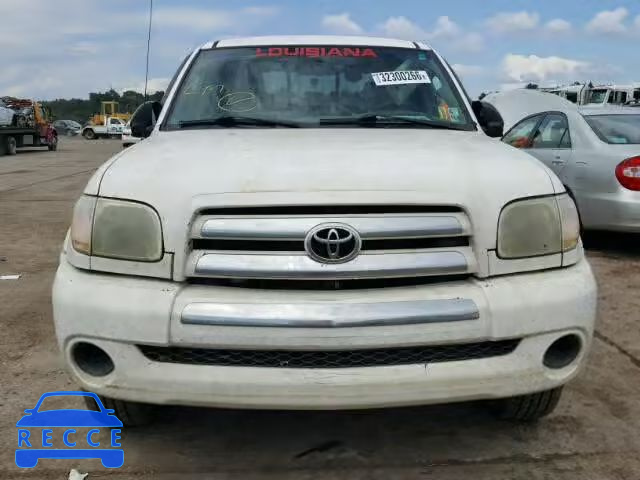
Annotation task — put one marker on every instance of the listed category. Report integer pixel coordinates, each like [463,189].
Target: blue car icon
[68,420]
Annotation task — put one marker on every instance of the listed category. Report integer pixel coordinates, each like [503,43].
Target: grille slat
[298,245]
[330,358]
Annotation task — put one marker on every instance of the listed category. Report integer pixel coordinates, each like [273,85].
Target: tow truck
[108,123]
[32,127]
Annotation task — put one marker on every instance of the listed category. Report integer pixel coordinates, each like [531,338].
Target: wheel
[529,408]
[131,414]
[12,146]
[53,146]
[89,134]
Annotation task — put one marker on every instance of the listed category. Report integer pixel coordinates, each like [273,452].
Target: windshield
[318,86]
[616,129]
[597,96]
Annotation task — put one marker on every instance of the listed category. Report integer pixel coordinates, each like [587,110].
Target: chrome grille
[268,244]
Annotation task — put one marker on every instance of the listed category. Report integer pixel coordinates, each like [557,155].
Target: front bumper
[116,313]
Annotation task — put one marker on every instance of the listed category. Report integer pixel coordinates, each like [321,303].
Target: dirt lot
[595,433]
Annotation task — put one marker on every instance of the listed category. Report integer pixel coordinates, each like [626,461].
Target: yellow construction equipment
[109,109]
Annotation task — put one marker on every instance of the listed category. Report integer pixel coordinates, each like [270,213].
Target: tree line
[81,110]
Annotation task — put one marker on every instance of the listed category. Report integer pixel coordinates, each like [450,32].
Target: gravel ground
[594,434]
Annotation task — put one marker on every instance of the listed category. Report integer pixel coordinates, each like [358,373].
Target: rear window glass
[616,129]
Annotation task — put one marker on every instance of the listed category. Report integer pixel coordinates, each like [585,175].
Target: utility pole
[146,76]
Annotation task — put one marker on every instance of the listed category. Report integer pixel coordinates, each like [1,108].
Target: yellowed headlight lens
[82,223]
[529,228]
[127,231]
[570,222]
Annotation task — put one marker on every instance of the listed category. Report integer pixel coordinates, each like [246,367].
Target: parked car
[322,222]
[594,151]
[67,127]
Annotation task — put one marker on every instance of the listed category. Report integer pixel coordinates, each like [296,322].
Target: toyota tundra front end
[323,223]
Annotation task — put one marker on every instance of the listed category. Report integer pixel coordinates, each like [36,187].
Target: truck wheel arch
[11,145]
[89,134]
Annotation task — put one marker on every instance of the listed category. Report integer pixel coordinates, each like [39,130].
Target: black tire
[53,146]
[89,134]
[131,414]
[529,408]
[11,146]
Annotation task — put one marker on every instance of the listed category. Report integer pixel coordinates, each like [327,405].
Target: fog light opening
[562,352]
[92,359]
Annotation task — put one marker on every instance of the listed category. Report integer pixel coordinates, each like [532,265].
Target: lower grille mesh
[331,358]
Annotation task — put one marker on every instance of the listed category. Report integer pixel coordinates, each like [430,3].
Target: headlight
[81,224]
[538,226]
[121,229]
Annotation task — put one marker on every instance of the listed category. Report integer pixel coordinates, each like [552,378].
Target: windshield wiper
[372,119]
[232,121]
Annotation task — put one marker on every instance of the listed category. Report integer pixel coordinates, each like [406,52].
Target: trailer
[31,128]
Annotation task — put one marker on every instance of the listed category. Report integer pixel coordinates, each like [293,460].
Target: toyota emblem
[332,243]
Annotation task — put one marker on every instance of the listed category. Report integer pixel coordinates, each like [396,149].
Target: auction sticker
[400,77]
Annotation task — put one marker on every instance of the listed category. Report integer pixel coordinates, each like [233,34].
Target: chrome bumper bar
[296,228]
[287,266]
[330,315]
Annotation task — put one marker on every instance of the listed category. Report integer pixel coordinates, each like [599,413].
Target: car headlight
[538,226]
[82,223]
[117,229]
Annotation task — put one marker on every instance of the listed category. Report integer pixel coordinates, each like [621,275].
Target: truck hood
[181,172]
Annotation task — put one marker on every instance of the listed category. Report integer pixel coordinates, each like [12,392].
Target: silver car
[594,151]
[6,115]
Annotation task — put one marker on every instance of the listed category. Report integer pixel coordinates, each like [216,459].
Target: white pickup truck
[111,127]
[322,223]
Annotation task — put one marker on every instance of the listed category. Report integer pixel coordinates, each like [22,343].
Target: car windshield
[616,129]
[597,96]
[318,86]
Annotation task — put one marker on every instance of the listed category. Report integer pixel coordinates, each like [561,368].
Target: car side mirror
[29,410]
[489,118]
[144,119]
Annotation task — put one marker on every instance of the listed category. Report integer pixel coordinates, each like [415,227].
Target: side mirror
[489,118]
[144,119]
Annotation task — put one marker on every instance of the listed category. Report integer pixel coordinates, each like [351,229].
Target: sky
[68,48]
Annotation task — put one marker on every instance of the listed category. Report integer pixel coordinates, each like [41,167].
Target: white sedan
[595,152]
